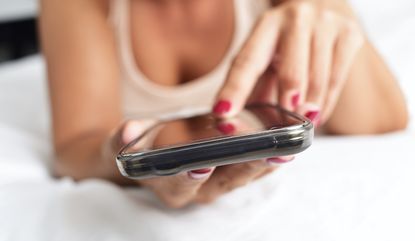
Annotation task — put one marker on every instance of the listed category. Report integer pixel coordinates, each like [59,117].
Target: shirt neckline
[140,78]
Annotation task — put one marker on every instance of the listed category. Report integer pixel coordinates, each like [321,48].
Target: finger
[279,160]
[227,178]
[230,177]
[266,172]
[310,111]
[265,91]
[320,67]
[179,190]
[128,131]
[294,51]
[276,163]
[248,66]
[347,46]
[322,45]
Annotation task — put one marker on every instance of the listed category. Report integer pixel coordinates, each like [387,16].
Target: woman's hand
[204,185]
[299,54]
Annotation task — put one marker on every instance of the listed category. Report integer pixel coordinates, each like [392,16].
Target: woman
[110,60]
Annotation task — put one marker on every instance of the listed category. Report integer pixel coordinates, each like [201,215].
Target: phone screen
[254,118]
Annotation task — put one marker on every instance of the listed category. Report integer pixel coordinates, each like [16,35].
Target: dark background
[18,39]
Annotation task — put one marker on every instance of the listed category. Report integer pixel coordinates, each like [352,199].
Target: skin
[314,49]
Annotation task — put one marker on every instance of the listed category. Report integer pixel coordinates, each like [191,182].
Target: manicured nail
[222,107]
[226,128]
[199,173]
[295,100]
[279,160]
[313,115]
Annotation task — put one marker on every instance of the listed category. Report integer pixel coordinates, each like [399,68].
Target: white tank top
[142,98]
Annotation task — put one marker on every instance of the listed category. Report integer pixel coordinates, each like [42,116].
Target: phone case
[218,151]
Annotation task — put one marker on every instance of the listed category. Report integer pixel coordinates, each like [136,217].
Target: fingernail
[279,160]
[295,100]
[314,117]
[199,173]
[222,107]
[226,128]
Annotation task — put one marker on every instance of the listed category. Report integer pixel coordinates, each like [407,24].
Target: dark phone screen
[254,118]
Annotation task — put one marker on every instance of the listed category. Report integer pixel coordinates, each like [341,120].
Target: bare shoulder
[80,51]
[72,18]
[74,6]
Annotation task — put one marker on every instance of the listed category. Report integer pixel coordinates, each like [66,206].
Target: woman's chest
[176,41]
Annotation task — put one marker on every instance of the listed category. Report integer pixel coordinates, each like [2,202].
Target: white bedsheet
[342,188]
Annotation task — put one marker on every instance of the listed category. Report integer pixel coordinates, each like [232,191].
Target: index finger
[251,61]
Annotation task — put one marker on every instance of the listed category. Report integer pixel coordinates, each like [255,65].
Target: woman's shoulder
[63,8]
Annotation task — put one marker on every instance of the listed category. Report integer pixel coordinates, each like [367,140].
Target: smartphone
[257,132]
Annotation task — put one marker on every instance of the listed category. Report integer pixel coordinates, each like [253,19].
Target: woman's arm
[371,100]
[83,80]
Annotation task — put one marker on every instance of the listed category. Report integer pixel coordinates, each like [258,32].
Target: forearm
[371,101]
[89,156]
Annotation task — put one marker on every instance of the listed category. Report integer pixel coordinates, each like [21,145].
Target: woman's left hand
[299,55]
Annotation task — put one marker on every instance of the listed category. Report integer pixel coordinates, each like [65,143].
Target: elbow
[400,120]
[395,120]
[57,168]
[62,167]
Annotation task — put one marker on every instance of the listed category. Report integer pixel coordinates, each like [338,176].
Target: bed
[342,188]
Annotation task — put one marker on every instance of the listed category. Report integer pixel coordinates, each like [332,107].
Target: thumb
[129,131]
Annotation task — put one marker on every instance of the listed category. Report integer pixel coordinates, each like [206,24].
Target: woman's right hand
[175,191]
[198,186]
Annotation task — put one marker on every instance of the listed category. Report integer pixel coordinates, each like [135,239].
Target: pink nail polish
[295,100]
[278,160]
[199,173]
[226,128]
[312,115]
[222,107]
